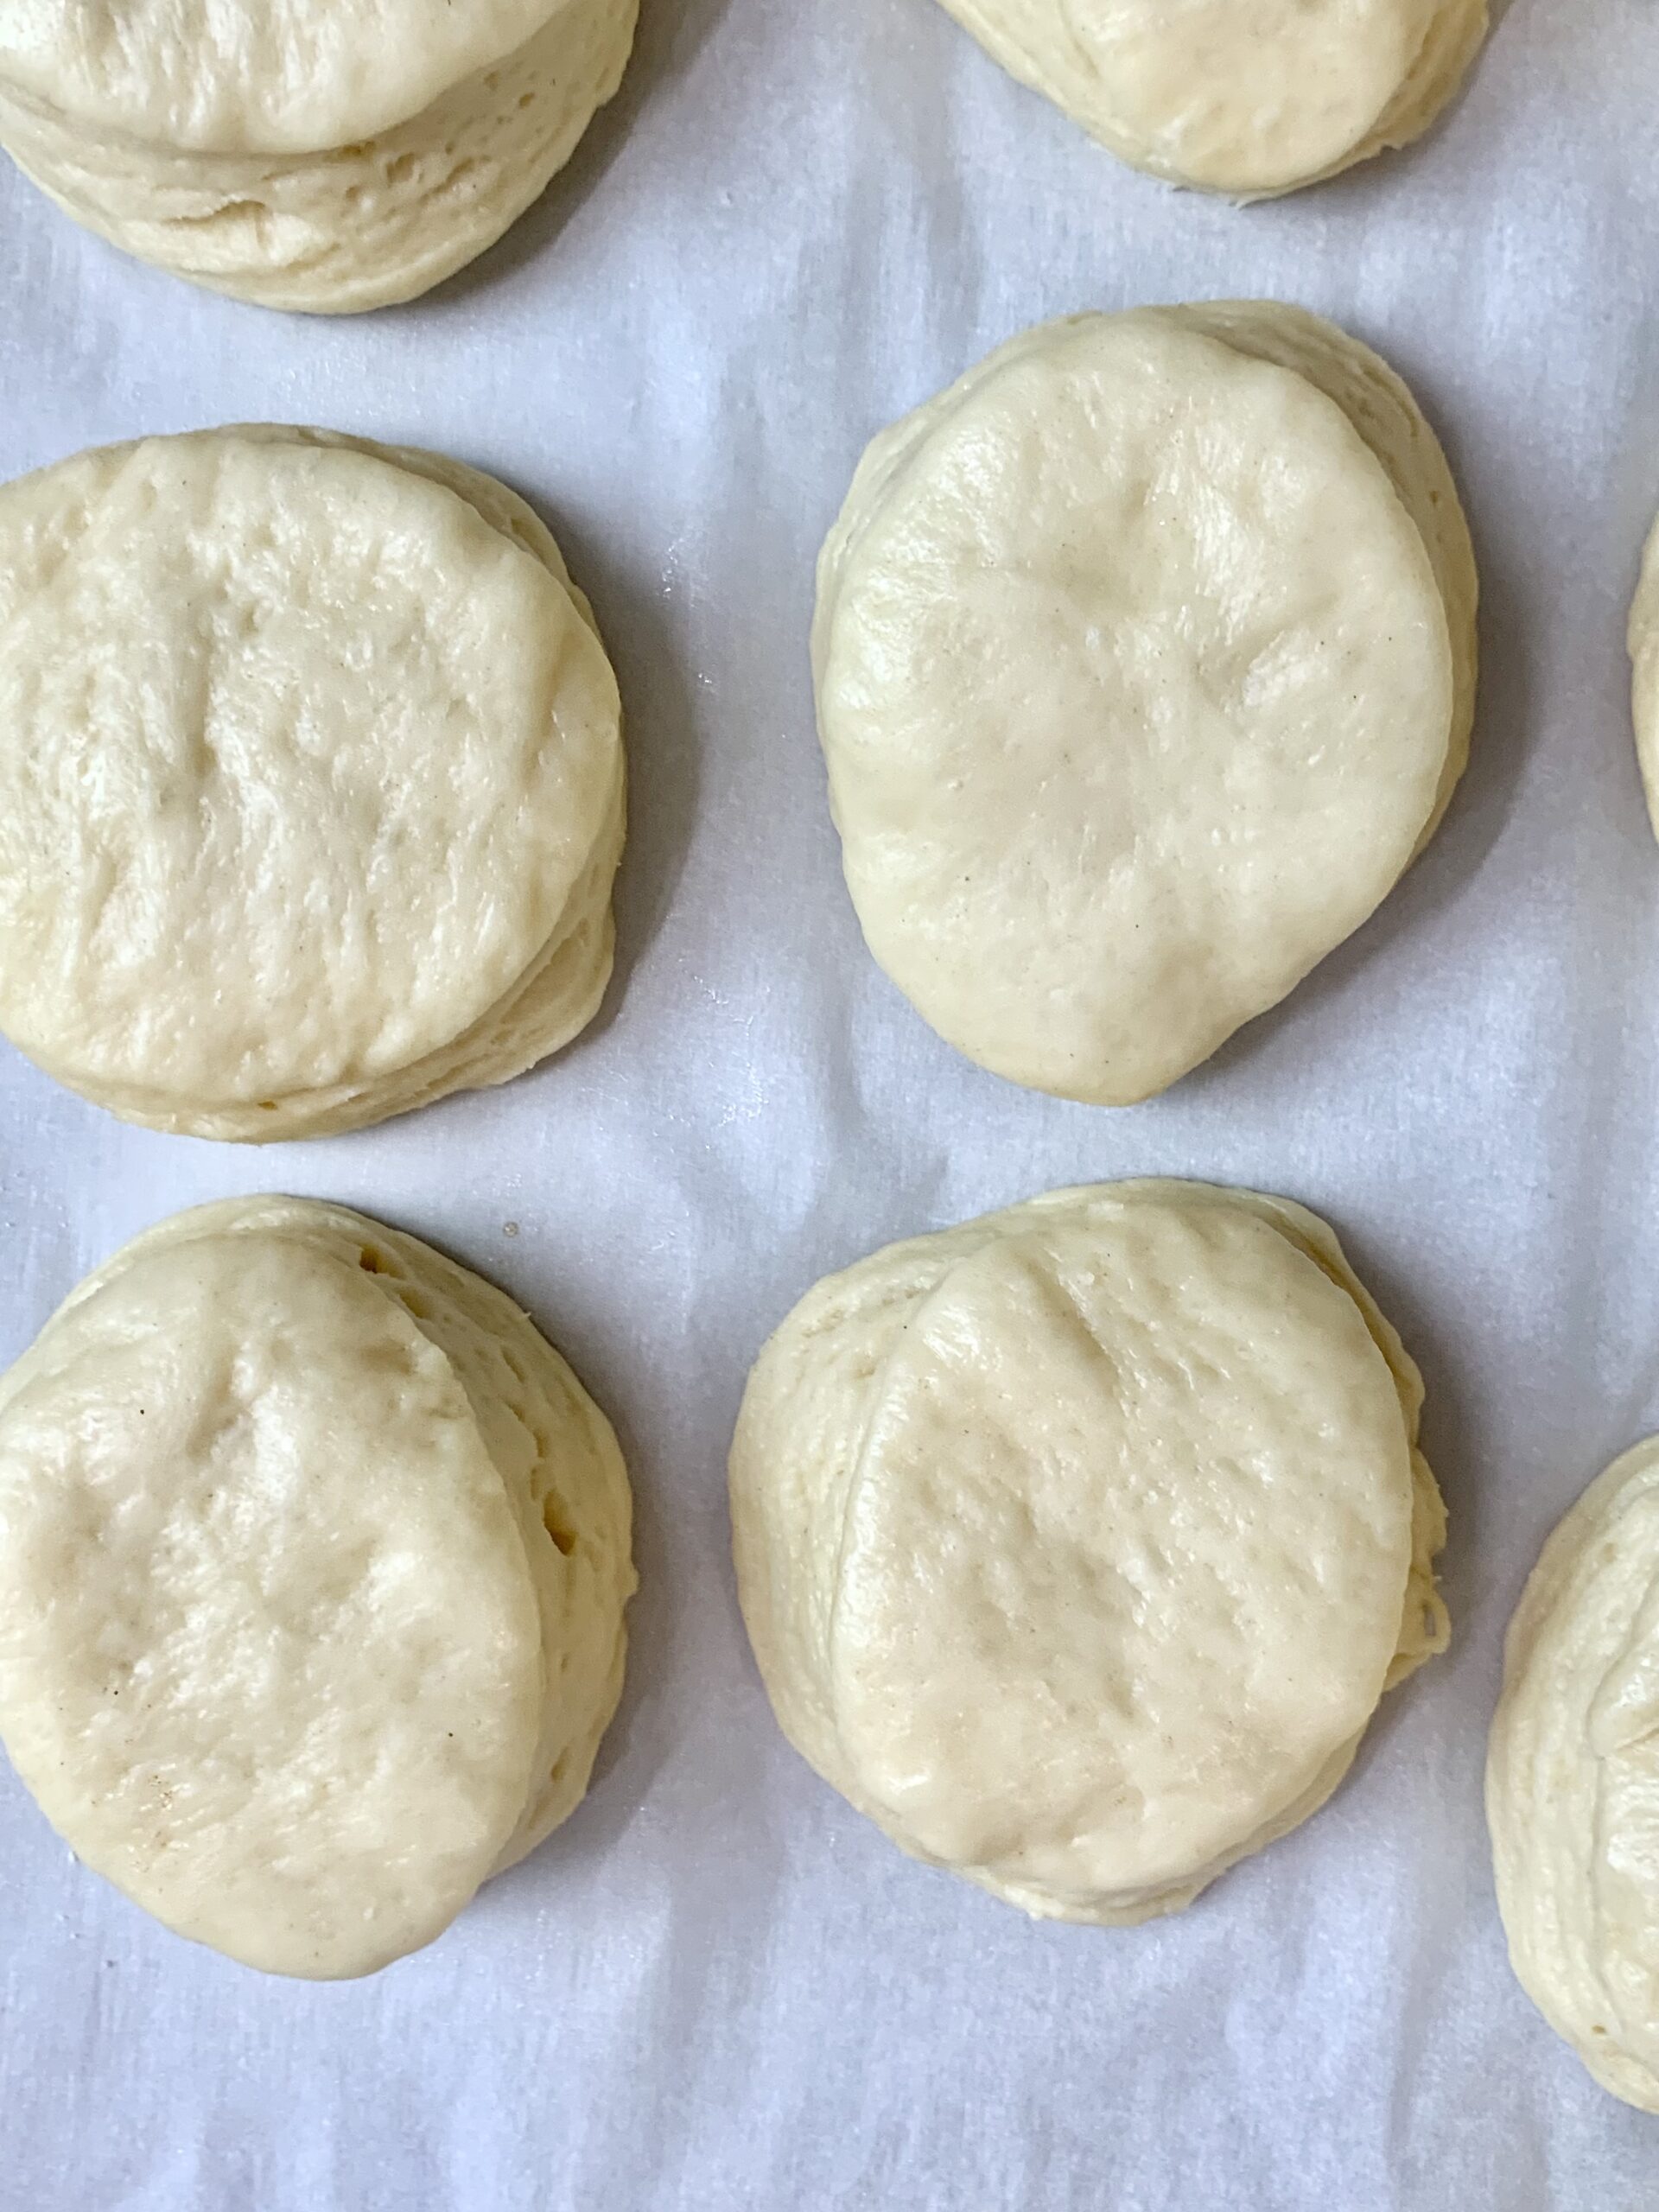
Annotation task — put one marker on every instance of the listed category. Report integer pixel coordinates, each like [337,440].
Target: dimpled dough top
[288,76]
[1573,1780]
[268,1652]
[1077,1545]
[1244,97]
[312,1559]
[1145,661]
[310,781]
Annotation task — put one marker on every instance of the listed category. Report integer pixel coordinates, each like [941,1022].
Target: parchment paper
[717,1988]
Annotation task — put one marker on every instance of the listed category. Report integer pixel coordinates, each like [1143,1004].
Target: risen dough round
[313,1561]
[1573,1780]
[1248,97]
[1076,1545]
[311,782]
[302,154]
[1146,664]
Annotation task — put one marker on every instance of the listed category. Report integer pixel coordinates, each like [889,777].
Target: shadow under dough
[670,32]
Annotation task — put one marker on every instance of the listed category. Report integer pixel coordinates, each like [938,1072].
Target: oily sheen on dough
[302,154]
[314,1555]
[1248,97]
[311,782]
[1145,660]
[1077,1545]
[1573,1780]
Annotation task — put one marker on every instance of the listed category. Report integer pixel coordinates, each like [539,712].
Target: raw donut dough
[311,782]
[1573,1780]
[1145,660]
[1644,659]
[1250,97]
[302,154]
[313,1561]
[1076,1545]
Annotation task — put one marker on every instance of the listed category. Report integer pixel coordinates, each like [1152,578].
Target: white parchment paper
[717,1988]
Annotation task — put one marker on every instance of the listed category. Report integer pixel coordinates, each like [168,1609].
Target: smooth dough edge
[1642,640]
[1542,1781]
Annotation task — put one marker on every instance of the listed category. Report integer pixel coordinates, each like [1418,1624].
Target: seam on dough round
[1145,660]
[1077,1545]
[408,149]
[1246,97]
[312,787]
[314,1558]
[1573,1780]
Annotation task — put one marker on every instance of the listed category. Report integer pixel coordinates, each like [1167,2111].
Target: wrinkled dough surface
[1145,660]
[311,781]
[313,1561]
[350,224]
[1248,97]
[1573,1780]
[1077,1545]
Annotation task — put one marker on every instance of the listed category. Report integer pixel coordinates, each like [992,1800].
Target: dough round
[1644,661]
[1573,1780]
[314,1555]
[311,782]
[1077,1545]
[1250,97]
[1146,665]
[302,154]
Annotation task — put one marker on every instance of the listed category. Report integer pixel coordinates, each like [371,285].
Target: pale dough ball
[1145,660]
[1248,97]
[311,782]
[303,155]
[313,1561]
[1573,1780]
[1077,1545]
